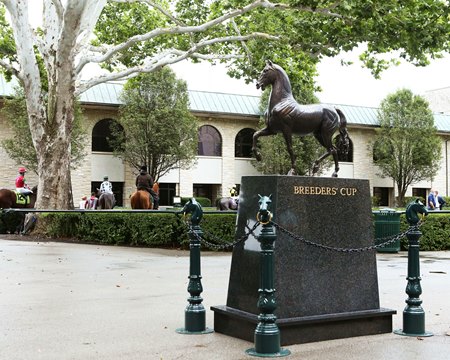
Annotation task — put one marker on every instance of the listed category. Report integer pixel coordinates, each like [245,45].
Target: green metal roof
[359,115]
[232,104]
[106,93]
[200,101]
[203,101]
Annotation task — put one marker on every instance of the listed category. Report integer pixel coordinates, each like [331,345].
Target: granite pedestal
[321,295]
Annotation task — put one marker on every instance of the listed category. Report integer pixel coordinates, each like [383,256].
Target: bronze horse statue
[284,115]
[227,203]
[10,199]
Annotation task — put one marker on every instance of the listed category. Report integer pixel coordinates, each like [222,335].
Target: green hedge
[435,231]
[10,221]
[169,230]
[140,229]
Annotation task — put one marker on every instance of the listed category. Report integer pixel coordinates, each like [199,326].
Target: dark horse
[227,203]
[8,199]
[284,115]
[106,201]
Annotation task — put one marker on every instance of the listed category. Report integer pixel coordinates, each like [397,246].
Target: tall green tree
[156,128]
[406,147]
[128,37]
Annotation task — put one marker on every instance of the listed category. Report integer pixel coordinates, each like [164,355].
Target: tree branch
[176,30]
[156,6]
[148,67]
[11,68]
[172,56]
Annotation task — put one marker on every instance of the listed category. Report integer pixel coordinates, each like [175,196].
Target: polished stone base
[320,294]
[241,324]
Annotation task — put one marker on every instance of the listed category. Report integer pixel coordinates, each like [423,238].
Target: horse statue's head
[193,207]
[268,75]
[413,209]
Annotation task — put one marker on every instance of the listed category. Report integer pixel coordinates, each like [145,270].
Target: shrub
[168,230]
[10,222]
[135,229]
[435,232]
[375,201]
[447,203]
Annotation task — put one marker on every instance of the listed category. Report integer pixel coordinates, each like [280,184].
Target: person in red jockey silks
[21,184]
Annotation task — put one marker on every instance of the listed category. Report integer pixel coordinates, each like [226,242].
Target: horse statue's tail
[343,144]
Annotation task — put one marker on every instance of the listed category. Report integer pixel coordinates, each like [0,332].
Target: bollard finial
[193,207]
[414,208]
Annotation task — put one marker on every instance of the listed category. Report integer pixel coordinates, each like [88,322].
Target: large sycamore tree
[406,147]
[129,37]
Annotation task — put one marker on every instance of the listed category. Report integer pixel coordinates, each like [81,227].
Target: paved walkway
[71,301]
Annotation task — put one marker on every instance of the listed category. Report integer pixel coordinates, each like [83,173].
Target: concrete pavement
[75,301]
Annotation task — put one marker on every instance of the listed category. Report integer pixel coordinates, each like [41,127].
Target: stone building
[226,126]
[439,100]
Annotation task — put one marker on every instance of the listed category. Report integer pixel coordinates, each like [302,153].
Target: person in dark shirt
[440,200]
[144,181]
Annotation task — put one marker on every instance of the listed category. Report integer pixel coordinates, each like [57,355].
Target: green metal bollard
[267,334]
[195,313]
[413,314]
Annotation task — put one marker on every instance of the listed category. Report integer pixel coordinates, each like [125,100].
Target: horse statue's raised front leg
[256,135]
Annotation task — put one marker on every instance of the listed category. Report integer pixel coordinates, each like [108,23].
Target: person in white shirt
[83,202]
[106,186]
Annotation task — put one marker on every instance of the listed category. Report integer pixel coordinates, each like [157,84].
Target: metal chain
[346,250]
[243,238]
[216,246]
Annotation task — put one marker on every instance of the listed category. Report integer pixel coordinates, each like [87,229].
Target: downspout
[446,168]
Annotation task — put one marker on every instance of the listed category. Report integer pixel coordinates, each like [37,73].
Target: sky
[345,85]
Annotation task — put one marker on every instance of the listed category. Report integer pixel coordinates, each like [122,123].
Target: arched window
[243,143]
[345,157]
[209,141]
[100,135]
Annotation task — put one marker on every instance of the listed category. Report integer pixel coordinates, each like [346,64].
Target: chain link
[385,241]
[215,246]
[348,250]
[225,246]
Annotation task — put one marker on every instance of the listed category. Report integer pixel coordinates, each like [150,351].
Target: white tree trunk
[53,151]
